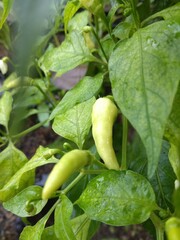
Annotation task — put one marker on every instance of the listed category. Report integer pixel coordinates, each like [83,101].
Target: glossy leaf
[75,124]
[144,73]
[118,198]
[84,90]
[70,54]
[5,109]
[11,160]
[62,225]
[26,203]
[23,177]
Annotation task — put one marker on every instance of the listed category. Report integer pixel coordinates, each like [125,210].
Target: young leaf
[62,225]
[70,9]
[118,198]
[24,176]
[80,226]
[11,160]
[5,108]
[70,54]
[144,72]
[75,124]
[26,203]
[83,90]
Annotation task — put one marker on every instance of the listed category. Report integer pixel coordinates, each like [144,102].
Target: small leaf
[75,124]
[26,203]
[7,4]
[70,54]
[25,175]
[62,225]
[5,109]
[11,160]
[83,90]
[118,198]
[70,9]
[144,73]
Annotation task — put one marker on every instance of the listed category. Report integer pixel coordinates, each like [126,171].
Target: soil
[11,226]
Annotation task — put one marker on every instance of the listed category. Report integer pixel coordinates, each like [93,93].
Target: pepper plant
[131,51]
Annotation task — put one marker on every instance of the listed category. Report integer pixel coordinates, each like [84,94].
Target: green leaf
[163,178]
[70,9]
[62,225]
[171,13]
[70,54]
[26,203]
[118,198]
[76,22]
[35,232]
[23,177]
[11,160]
[7,4]
[83,90]
[49,233]
[80,226]
[144,73]
[75,123]
[5,109]
[172,133]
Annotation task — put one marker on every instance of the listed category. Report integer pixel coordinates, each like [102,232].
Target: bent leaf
[26,203]
[144,73]
[118,198]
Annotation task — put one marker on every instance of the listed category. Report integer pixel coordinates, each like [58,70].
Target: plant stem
[73,183]
[99,43]
[135,14]
[159,226]
[36,126]
[124,143]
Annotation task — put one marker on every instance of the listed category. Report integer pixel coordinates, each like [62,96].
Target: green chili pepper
[68,164]
[172,227]
[104,114]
